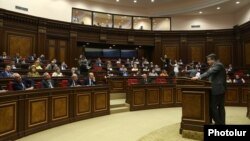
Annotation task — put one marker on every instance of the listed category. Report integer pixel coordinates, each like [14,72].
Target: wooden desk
[26,112]
[150,96]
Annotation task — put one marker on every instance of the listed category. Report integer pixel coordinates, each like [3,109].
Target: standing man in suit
[74,81]
[22,84]
[47,82]
[90,81]
[217,76]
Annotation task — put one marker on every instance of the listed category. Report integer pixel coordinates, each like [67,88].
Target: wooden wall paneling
[178,96]
[224,54]
[83,103]
[246,54]
[138,98]
[153,96]
[41,40]
[167,96]
[209,47]
[60,107]
[51,49]
[100,102]
[195,101]
[244,93]
[37,111]
[8,118]
[183,50]
[20,43]
[157,53]
[232,96]
[62,48]
[171,50]
[196,52]
[73,51]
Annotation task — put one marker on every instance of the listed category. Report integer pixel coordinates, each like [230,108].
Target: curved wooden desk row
[27,112]
[150,96]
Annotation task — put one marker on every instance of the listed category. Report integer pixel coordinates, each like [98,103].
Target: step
[117,96]
[119,110]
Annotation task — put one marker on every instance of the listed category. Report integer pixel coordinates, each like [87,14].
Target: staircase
[117,103]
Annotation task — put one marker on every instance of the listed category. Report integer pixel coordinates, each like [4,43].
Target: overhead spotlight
[218,8]
[139,46]
[200,12]
[113,45]
[152,0]
[135,1]
[110,47]
[117,0]
[237,2]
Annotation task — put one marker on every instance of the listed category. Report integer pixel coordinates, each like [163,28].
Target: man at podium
[217,76]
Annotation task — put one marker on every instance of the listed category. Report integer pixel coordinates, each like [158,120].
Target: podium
[195,107]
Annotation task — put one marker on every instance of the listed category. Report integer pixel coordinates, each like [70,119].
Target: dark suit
[217,76]
[146,81]
[46,84]
[89,82]
[73,83]
[25,83]
[6,74]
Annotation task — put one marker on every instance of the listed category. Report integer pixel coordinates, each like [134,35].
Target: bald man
[90,81]
[22,84]
[74,81]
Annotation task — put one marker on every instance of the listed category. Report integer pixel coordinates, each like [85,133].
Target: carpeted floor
[147,125]
[234,115]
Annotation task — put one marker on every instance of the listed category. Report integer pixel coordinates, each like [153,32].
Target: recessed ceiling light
[218,8]
[135,1]
[237,2]
[200,12]
[117,0]
[152,0]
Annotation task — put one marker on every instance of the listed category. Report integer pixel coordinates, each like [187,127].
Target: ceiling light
[135,1]
[237,2]
[117,0]
[218,8]
[200,12]
[152,0]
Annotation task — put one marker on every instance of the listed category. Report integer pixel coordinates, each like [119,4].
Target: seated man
[238,80]
[74,81]
[47,82]
[90,80]
[22,84]
[7,72]
[145,79]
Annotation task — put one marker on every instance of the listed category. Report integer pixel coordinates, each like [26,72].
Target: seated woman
[134,68]
[229,80]
[33,72]
[38,64]
[57,72]
[238,80]
[164,73]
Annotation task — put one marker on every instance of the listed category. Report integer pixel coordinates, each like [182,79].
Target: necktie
[50,84]
[23,85]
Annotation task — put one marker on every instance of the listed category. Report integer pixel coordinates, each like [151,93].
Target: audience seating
[160,80]
[132,81]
